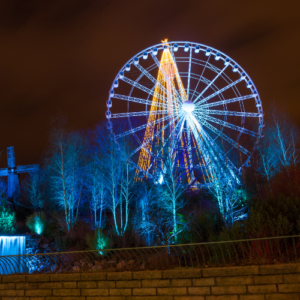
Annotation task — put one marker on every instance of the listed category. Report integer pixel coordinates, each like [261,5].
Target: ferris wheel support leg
[152,137]
[165,76]
[147,74]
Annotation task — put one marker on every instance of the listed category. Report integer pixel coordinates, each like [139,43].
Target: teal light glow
[36,222]
[39,225]
[101,241]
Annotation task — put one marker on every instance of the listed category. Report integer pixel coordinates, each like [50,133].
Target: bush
[7,219]
[270,217]
[75,238]
[274,216]
[36,222]
[97,240]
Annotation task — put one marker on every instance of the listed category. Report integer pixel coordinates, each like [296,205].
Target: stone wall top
[293,268]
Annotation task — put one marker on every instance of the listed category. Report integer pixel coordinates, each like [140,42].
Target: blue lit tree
[67,170]
[231,198]
[280,146]
[146,217]
[113,159]
[120,181]
[96,186]
[34,190]
[171,179]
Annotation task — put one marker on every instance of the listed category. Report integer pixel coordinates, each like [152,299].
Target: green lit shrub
[97,240]
[7,219]
[36,222]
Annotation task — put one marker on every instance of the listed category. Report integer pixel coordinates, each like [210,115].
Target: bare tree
[96,185]
[280,146]
[231,198]
[66,165]
[119,176]
[146,217]
[172,191]
[34,191]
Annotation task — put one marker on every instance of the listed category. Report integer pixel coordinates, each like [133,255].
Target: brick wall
[275,282]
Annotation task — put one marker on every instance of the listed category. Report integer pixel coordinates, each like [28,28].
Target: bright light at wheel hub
[188,106]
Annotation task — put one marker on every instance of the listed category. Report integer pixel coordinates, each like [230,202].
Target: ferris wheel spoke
[140,113]
[206,153]
[229,125]
[225,137]
[147,74]
[221,154]
[166,77]
[189,74]
[177,133]
[166,140]
[217,152]
[153,136]
[143,88]
[200,78]
[210,84]
[133,130]
[139,100]
[181,88]
[222,102]
[228,113]
[219,91]
[141,170]
[171,135]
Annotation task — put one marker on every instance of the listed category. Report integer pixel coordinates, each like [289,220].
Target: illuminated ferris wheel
[191,101]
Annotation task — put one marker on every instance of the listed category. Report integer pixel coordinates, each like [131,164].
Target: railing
[214,254]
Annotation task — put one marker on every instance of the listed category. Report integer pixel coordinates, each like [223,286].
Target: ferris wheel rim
[214,51]
[160,45]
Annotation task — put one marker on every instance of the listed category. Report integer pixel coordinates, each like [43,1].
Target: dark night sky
[62,55]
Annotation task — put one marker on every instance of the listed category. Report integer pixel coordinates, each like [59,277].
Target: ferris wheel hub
[188,106]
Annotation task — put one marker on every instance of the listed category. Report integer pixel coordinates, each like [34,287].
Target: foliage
[33,189]
[274,216]
[97,240]
[3,190]
[146,215]
[280,148]
[270,217]
[205,225]
[74,239]
[232,200]
[7,218]
[97,199]
[36,222]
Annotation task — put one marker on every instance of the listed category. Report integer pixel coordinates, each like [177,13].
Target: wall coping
[158,274]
